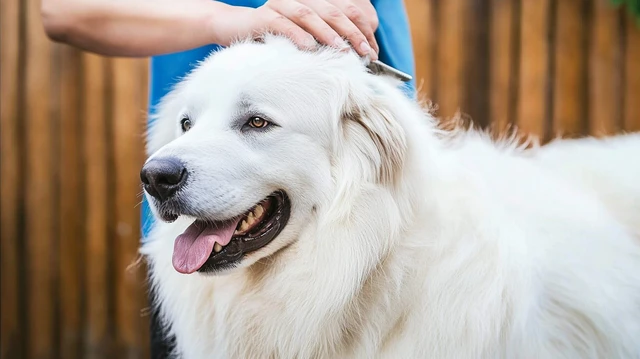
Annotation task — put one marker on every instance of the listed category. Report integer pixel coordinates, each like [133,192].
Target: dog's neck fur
[298,308]
[273,281]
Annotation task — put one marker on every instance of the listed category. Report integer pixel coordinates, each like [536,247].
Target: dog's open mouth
[207,246]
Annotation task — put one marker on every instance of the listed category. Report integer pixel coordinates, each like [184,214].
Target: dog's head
[258,139]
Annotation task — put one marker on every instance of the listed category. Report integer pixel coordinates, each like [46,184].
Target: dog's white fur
[404,241]
[608,168]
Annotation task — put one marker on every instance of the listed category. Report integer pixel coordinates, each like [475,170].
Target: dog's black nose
[163,177]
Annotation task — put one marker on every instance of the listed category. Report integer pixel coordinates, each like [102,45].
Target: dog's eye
[258,122]
[185,123]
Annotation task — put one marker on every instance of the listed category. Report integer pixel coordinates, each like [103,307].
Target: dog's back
[552,269]
[608,167]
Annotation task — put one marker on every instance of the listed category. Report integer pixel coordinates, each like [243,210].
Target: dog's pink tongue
[193,247]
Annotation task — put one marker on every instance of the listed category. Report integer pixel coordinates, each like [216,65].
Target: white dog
[311,210]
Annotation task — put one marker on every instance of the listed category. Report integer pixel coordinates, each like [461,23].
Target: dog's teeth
[251,218]
[258,211]
[236,232]
[217,247]
[244,226]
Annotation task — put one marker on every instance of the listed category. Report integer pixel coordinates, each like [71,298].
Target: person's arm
[152,27]
[136,28]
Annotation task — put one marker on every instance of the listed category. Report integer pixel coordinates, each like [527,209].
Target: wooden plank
[569,115]
[534,49]
[96,200]
[605,93]
[127,122]
[145,333]
[70,215]
[423,37]
[502,62]
[632,77]
[476,98]
[39,188]
[11,336]
[450,60]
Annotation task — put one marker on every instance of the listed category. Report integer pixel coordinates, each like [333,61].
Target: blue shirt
[393,36]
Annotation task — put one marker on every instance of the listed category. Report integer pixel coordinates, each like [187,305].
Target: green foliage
[633,6]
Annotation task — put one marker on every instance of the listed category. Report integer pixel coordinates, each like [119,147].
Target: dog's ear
[375,137]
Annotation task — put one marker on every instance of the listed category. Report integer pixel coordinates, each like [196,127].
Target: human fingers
[363,16]
[277,23]
[339,21]
[308,19]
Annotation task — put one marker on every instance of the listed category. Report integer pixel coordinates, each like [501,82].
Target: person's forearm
[134,27]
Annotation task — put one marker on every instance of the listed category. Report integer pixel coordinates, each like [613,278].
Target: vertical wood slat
[70,211]
[450,59]
[476,49]
[11,336]
[534,48]
[605,93]
[39,182]
[502,61]
[570,81]
[128,148]
[97,248]
[632,77]
[423,38]
[142,273]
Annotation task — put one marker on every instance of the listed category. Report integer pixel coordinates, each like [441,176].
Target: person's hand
[305,21]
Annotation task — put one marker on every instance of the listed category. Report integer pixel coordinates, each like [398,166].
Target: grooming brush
[380,68]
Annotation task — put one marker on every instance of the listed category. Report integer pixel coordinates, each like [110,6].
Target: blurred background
[72,127]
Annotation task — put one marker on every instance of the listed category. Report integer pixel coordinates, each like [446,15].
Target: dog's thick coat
[405,241]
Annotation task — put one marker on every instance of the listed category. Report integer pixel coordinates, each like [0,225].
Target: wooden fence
[72,129]
[547,66]
[72,147]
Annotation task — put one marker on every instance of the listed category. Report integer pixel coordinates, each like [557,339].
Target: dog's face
[246,147]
